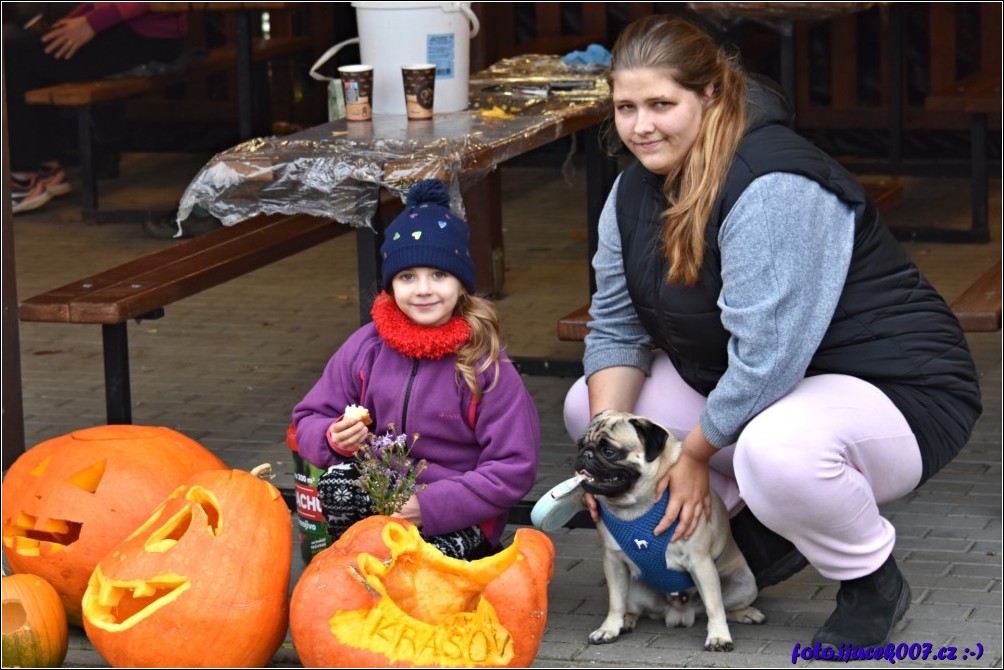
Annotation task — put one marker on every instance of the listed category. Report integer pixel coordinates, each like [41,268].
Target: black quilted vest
[890,327]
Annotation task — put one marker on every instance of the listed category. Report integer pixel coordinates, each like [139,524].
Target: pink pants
[812,467]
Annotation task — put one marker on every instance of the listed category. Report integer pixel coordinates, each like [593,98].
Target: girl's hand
[410,511]
[690,487]
[347,434]
[67,36]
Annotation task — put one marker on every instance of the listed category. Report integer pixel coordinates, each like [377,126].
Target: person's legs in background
[36,174]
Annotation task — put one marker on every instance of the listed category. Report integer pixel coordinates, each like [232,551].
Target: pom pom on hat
[428,234]
[428,192]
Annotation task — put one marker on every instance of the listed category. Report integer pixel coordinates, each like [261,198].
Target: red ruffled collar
[413,340]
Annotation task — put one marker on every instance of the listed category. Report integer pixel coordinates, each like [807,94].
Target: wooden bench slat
[37,308]
[979,307]
[192,275]
[885,192]
[979,93]
[573,327]
[137,287]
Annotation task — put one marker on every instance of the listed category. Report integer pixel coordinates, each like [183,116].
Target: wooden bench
[979,306]
[140,289]
[85,95]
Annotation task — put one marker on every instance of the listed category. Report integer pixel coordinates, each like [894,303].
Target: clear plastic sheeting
[336,170]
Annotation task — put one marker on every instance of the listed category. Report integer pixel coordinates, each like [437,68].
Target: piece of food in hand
[359,413]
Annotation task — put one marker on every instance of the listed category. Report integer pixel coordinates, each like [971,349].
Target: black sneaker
[867,610]
[772,558]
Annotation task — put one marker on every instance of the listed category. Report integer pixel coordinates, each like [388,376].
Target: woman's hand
[689,487]
[67,36]
[592,506]
[410,511]
[348,434]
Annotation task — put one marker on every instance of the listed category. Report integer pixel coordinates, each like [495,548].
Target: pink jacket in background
[137,15]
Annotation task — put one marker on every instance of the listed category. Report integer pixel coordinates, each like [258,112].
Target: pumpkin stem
[263,471]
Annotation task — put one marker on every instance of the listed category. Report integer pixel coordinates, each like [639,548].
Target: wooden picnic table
[342,168]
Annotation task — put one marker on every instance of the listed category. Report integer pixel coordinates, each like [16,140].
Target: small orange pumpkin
[203,583]
[34,623]
[396,601]
[69,500]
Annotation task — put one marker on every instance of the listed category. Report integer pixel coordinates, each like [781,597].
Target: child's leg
[815,466]
[343,501]
[468,544]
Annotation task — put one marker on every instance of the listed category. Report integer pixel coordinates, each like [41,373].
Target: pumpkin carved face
[34,623]
[406,604]
[71,499]
[202,583]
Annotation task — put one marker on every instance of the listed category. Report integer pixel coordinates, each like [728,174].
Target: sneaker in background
[27,194]
[54,177]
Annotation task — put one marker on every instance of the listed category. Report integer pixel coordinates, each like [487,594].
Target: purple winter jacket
[474,475]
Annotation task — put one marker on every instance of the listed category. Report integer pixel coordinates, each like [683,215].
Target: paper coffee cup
[419,89]
[357,85]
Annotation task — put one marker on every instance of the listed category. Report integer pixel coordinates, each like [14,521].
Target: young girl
[431,363]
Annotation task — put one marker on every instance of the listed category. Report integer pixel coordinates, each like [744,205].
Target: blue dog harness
[646,550]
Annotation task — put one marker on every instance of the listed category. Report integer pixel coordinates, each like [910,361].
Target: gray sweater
[782,275]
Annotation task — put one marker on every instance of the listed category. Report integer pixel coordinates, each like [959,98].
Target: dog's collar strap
[646,550]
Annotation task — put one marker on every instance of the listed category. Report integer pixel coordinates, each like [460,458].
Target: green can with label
[314,536]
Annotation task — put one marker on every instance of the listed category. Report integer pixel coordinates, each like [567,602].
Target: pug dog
[621,458]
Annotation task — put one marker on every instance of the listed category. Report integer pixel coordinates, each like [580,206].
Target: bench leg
[85,132]
[980,190]
[601,171]
[245,92]
[483,203]
[118,402]
[368,257]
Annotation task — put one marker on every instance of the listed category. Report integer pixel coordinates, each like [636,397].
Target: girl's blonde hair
[690,57]
[482,350]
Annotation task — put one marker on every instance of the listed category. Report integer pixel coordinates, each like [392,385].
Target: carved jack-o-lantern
[399,602]
[203,583]
[68,501]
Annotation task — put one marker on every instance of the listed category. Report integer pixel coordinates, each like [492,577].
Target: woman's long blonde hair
[482,350]
[692,59]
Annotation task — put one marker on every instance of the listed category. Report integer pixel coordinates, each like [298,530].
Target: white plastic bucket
[392,34]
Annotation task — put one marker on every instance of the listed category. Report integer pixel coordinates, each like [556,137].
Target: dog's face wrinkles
[608,455]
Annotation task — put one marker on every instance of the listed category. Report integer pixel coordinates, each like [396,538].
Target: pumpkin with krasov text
[34,623]
[68,501]
[382,597]
[202,583]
